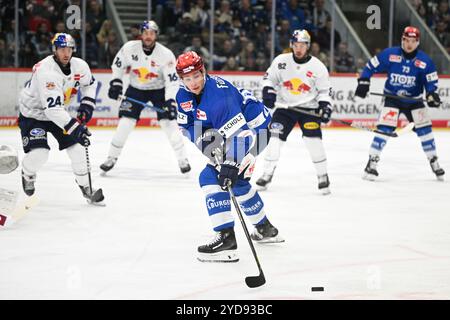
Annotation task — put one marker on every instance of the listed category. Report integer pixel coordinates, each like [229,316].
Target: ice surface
[388,239]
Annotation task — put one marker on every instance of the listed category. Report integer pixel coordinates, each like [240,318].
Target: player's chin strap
[252,281]
[142,103]
[353,124]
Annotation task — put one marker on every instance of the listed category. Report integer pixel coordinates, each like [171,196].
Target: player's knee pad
[388,117]
[311,129]
[34,160]
[420,118]
[124,128]
[77,155]
[170,128]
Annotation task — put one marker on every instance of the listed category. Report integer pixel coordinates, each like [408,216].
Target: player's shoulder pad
[47,68]
[131,45]
[79,63]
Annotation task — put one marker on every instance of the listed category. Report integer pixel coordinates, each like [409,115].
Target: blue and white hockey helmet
[149,25]
[63,40]
[300,35]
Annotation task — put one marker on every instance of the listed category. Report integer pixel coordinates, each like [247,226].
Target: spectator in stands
[91,47]
[283,36]
[59,27]
[42,29]
[443,13]
[102,35]
[172,16]
[319,14]
[27,55]
[108,51]
[6,59]
[343,60]
[94,15]
[360,64]
[442,33]
[247,57]
[224,17]
[231,65]
[324,37]
[294,14]
[224,52]
[316,52]
[186,29]
[199,13]
[247,16]
[198,47]
[134,32]
[42,46]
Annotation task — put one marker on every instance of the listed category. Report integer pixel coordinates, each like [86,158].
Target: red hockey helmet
[411,32]
[189,62]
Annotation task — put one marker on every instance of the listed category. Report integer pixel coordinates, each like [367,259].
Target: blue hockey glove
[325,111]
[433,99]
[269,96]
[362,88]
[78,132]
[115,89]
[86,110]
[228,174]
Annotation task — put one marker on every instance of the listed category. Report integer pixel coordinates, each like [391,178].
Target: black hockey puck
[317,289]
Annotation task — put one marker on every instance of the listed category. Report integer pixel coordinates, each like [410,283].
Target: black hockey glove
[115,89]
[269,96]
[433,99]
[362,88]
[86,110]
[325,111]
[170,106]
[78,132]
[228,174]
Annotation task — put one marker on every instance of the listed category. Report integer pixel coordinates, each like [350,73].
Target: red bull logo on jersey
[144,75]
[68,94]
[296,86]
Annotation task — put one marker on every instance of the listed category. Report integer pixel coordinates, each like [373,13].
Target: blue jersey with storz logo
[235,113]
[405,77]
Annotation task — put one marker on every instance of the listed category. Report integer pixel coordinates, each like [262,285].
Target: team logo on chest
[143,74]
[296,86]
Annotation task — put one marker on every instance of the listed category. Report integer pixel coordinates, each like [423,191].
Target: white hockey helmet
[9,160]
[63,40]
[149,25]
[300,35]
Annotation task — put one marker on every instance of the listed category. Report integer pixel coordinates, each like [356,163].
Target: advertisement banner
[345,106]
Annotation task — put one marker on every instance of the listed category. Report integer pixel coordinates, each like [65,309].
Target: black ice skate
[370,172]
[108,164]
[264,181]
[95,198]
[184,166]
[324,184]
[28,183]
[438,171]
[223,248]
[266,233]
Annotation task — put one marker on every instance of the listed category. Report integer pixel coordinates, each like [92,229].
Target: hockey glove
[170,106]
[228,174]
[269,97]
[86,110]
[115,89]
[78,132]
[362,88]
[433,99]
[325,111]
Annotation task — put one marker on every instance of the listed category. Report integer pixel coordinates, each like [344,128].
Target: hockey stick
[88,163]
[352,124]
[251,281]
[387,95]
[19,211]
[144,104]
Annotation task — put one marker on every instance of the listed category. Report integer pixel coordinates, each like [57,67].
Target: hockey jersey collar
[64,69]
[302,60]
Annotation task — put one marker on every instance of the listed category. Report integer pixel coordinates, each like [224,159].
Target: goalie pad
[9,160]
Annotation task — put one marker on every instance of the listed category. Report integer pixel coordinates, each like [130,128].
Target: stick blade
[409,127]
[255,281]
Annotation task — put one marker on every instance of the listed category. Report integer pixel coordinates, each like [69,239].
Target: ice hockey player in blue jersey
[409,72]
[232,124]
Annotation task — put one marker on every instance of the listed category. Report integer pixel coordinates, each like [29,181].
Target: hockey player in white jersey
[152,78]
[55,81]
[297,80]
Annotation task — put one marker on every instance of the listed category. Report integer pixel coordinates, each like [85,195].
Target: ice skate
[95,198]
[370,172]
[266,233]
[28,183]
[108,164]
[263,182]
[222,248]
[438,171]
[324,184]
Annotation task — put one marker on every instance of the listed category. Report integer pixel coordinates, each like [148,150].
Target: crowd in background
[242,39]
